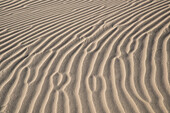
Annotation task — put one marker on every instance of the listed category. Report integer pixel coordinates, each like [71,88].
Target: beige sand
[84,56]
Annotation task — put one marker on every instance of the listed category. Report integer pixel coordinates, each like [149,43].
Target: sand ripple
[85,56]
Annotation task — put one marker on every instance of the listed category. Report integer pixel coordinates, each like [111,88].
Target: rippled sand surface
[84,56]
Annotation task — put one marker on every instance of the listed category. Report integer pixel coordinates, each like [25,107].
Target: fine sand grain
[84,56]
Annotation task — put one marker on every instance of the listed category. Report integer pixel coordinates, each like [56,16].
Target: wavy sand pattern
[84,56]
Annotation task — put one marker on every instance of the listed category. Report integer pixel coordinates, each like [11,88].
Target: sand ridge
[84,56]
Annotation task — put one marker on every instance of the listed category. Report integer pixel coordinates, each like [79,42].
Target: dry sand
[84,56]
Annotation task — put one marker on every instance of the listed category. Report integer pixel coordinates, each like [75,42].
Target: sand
[84,56]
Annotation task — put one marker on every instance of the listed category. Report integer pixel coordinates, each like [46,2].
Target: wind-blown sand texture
[84,56]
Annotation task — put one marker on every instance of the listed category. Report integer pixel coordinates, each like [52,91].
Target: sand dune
[84,56]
